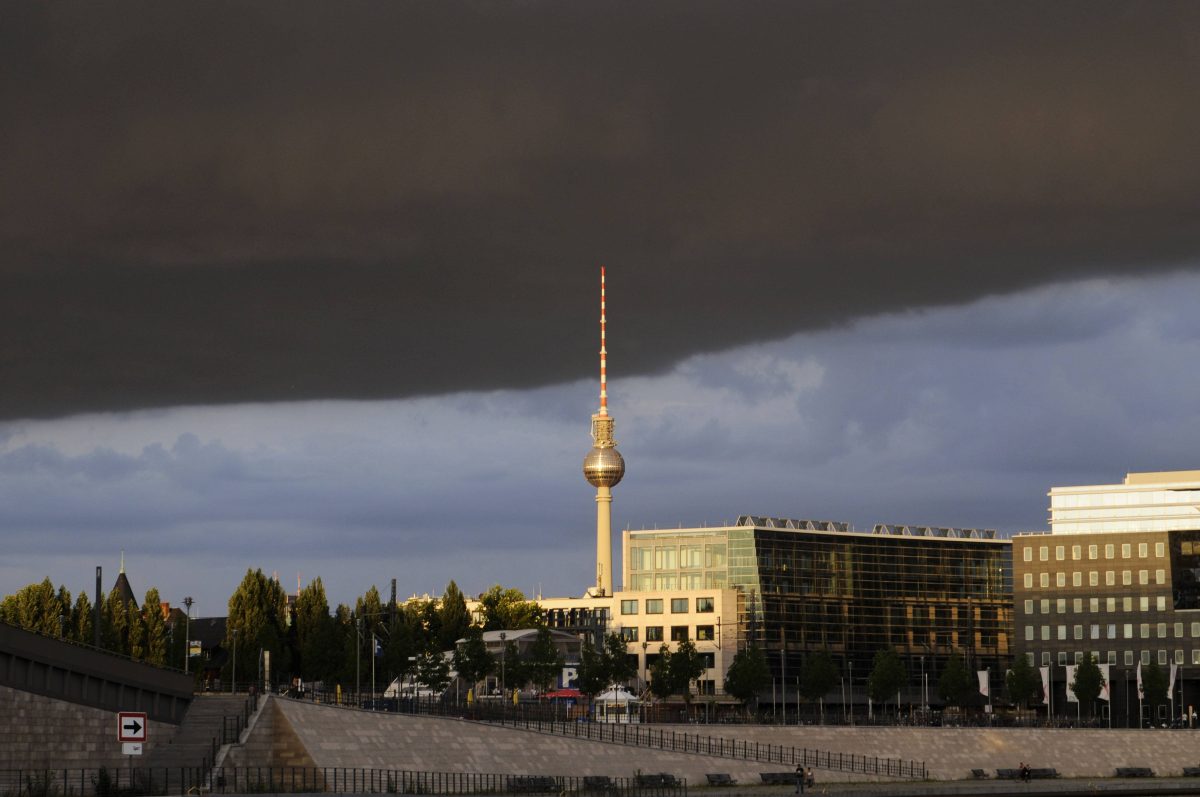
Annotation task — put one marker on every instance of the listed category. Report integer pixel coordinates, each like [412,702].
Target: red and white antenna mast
[603,352]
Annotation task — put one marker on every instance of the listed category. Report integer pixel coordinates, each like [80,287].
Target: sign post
[131,733]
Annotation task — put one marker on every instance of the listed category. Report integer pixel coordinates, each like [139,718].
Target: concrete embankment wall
[296,733]
[38,732]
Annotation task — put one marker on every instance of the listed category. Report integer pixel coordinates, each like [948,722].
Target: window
[705,605]
[665,581]
[1045,606]
[1125,554]
[1062,633]
[1094,605]
[705,632]
[1044,553]
[1060,579]
[1142,553]
[1127,577]
[1179,630]
[1144,604]
[1028,633]
[1077,579]
[1108,551]
[640,558]
[679,605]
[654,633]
[1160,577]
[629,607]
[1110,604]
[1028,554]
[1029,606]
[679,633]
[1144,631]
[690,581]
[1029,658]
[653,605]
[1179,657]
[1060,606]
[1077,632]
[1145,657]
[1029,581]
[1077,605]
[1060,552]
[1160,552]
[1046,658]
[1062,658]
[1044,579]
[1094,578]
[629,633]
[1112,657]
[1092,551]
[1110,578]
[1162,630]
[1160,603]
[1129,658]
[1127,604]
[1079,657]
[1046,632]
[1196,629]
[1162,657]
[714,555]
[640,582]
[1143,577]
[1128,629]
[691,556]
[1196,656]
[1075,552]
[1112,630]
[664,558]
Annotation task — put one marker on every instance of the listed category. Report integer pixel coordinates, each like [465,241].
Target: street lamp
[187,634]
[645,676]
[503,656]
[357,665]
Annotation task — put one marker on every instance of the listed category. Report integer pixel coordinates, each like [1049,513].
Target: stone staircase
[204,721]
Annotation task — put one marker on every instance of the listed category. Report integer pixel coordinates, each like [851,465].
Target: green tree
[1088,681]
[257,613]
[1154,686]
[622,668]
[156,629]
[662,685]
[315,637]
[82,619]
[38,608]
[955,685]
[686,665]
[887,676]
[400,647]
[472,660]
[508,610]
[545,660]
[1023,682]
[592,675]
[819,675]
[137,631]
[114,635]
[453,617]
[748,674]
[433,671]
[513,668]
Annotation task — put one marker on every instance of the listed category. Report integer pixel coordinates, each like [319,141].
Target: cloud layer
[959,416]
[215,203]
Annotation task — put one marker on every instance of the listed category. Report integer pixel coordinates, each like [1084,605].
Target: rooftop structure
[1159,501]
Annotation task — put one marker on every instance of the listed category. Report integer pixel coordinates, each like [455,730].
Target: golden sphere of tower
[603,466]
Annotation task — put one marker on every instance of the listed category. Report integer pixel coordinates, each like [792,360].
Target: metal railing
[130,782]
[542,720]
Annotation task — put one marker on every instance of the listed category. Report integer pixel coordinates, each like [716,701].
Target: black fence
[547,719]
[119,782]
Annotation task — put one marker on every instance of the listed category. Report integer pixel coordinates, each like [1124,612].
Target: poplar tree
[82,619]
[137,631]
[316,642]
[453,617]
[257,611]
[156,629]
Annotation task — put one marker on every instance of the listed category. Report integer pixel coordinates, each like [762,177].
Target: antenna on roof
[603,351]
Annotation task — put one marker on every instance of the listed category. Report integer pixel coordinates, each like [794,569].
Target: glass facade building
[809,586]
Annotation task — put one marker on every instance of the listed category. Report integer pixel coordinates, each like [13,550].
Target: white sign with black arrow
[131,726]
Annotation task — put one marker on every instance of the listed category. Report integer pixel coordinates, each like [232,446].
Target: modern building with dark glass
[808,586]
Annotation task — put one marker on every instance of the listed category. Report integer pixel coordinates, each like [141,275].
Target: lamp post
[503,689]
[372,670]
[357,661]
[645,677]
[851,679]
[187,634]
[233,675]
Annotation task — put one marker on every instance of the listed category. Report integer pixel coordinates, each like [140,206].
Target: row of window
[1060,551]
[660,582]
[1094,606]
[674,557]
[678,606]
[1094,628]
[1111,657]
[1093,578]
[679,633]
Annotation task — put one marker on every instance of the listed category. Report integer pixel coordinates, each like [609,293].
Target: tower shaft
[604,540]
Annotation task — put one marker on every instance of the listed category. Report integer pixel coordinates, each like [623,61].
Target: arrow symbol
[133,726]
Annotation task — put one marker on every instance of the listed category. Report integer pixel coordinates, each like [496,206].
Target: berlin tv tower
[603,467]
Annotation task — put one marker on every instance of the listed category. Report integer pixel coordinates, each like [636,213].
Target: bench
[1135,772]
[1040,773]
[720,779]
[657,779]
[1043,773]
[779,778]
[979,774]
[1191,772]
[534,784]
[597,783]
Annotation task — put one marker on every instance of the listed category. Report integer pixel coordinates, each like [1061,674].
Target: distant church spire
[122,560]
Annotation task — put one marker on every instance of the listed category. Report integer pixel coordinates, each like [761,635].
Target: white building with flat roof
[1158,501]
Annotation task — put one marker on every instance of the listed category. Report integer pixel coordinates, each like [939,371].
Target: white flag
[1104,694]
[1141,692]
[983,682]
[1171,685]
[1045,684]
[1071,683]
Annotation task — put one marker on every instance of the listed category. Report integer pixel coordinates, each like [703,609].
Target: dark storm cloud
[226,202]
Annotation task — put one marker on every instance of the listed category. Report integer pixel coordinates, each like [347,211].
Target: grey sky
[958,416]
